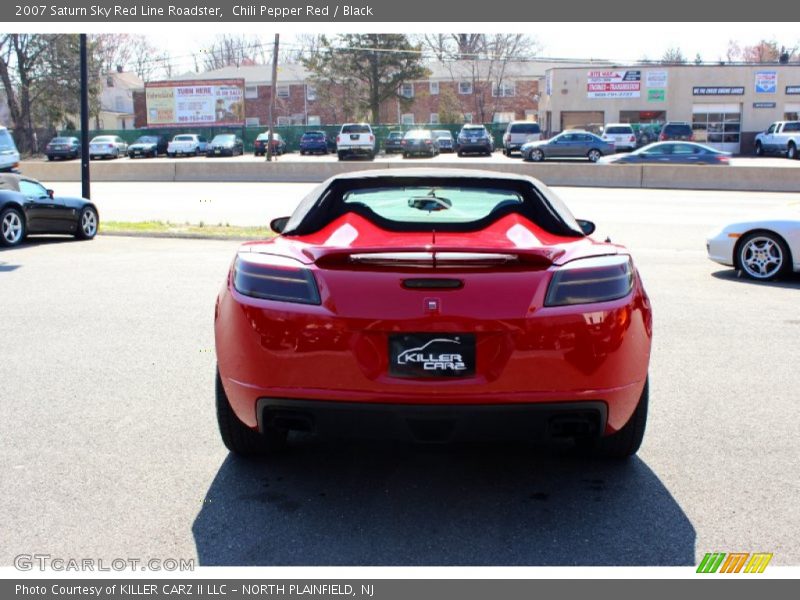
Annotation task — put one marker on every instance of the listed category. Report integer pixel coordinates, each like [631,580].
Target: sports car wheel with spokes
[12,227]
[87,226]
[762,255]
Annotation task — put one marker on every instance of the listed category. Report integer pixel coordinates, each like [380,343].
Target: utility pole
[85,191]
[272,96]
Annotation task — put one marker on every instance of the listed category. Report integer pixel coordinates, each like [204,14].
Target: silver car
[107,146]
[568,144]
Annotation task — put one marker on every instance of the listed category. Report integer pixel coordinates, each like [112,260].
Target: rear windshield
[432,204]
[474,129]
[677,129]
[184,138]
[395,135]
[442,133]
[59,140]
[355,129]
[418,134]
[619,129]
[103,139]
[224,138]
[147,139]
[5,140]
[313,135]
[525,128]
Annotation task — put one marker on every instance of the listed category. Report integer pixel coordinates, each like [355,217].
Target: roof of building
[125,79]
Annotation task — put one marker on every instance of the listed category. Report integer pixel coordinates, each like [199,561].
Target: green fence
[291,134]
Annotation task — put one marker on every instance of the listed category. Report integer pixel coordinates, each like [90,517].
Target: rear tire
[340,155]
[759,149]
[88,223]
[625,442]
[238,437]
[791,151]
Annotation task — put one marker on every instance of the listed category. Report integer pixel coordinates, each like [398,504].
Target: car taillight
[588,280]
[691,137]
[428,142]
[403,142]
[338,138]
[662,137]
[507,137]
[722,159]
[632,138]
[110,145]
[274,278]
[371,138]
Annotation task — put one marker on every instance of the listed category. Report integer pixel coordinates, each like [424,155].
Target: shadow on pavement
[790,281]
[349,503]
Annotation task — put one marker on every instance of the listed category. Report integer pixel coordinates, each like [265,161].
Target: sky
[615,41]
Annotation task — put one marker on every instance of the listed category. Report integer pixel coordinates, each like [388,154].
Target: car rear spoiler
[433,257]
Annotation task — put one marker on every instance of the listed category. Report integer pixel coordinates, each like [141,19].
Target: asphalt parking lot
[111,448]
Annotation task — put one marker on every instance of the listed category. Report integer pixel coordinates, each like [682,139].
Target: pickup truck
[355,139]
[782,137]
[188,144]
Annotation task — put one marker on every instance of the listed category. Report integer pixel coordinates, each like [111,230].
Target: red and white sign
[198,102]
[614,84]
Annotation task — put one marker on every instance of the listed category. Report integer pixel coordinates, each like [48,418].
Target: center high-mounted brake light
[589,280]
[274,278]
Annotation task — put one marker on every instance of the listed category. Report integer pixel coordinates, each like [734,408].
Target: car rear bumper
[434,424]
[469,147]
[356,149]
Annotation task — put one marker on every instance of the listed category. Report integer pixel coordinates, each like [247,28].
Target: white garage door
[718,125]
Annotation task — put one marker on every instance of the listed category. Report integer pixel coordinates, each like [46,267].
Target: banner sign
[613,84]
[195,102]
[718,91]
[766,82]
[793,90]
[656,79]
[656,95]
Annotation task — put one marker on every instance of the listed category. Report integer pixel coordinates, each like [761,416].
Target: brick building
[454,92]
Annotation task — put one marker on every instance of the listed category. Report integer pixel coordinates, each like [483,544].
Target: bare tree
[673,56]
[765,51]
[235,50]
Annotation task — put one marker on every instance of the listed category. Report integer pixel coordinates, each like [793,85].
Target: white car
[187,144]
[107,146]
[621,135]
[760,248]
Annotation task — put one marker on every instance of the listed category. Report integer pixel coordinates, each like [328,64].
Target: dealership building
[727,104]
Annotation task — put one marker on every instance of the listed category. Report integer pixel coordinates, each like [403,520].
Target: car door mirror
[50,194]
[279,224]
[586,226]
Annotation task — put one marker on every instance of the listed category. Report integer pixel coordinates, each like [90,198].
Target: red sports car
[433,305]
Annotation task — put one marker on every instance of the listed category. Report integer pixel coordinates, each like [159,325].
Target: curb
[175,235]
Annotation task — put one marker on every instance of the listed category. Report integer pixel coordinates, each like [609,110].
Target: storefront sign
[766,82]
[718,91]
[656,95]
[793,90]
[764,105]
[613,84]
[656,79]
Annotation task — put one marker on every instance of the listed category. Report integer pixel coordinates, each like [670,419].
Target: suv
[9,155]
[393,142]
[355,139]
[676,130]
[475,138]
[621,135]
[782,137]
[187,144]
[518,133]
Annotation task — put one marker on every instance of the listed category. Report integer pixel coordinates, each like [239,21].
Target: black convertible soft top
[326,203]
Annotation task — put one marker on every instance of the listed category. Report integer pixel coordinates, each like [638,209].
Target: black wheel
[405,154]
[791,151]
[594,155]
[759,149]
[170,155]
[626,441]
[340,155]
[87,224]
[12,227]
[460,154]
[762,255]
[238,437]
[49,157]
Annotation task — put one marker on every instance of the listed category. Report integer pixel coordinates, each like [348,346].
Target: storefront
[727,105]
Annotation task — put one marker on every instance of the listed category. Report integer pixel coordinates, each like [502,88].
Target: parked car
[419,142]
[474,139]
[647,133]
[682,153]
[519,133]
[260,145]
[355,139]
[65,148]
[761,248]
[187,144]
[782,137]
[148,146]
[27,208]
[225,144]
[9,155]
[445,139]
[107,146]
[568,144]
[676,130]
[391,335]
[393,142]
[621,135]
[314,142]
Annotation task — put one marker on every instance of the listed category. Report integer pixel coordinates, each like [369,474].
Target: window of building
[252,122]
[314,120]
[434,120]
[464,87]
[284,121]
[791,112]
[716,123]
[407,90]
[467,117]
[251,91]
[119,104]
[283,91]
[407,119]
[434,88]
[311,93]
[503,117]
[504,89]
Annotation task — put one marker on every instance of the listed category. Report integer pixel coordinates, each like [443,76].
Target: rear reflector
[430,283]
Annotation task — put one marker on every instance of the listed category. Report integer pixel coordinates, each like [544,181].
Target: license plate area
[432,355]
